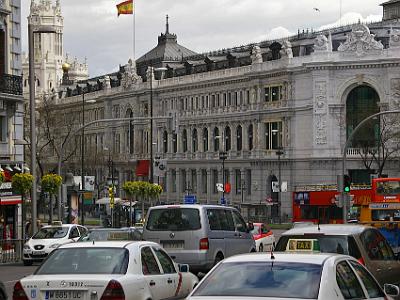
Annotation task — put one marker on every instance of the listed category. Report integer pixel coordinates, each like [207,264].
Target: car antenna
[318,225]
[93,242]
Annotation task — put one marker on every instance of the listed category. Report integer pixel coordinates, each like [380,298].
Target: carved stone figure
[286,50]
[360,41]
[256,57]
[130,77]
[321,43]
[395,92]
[394,41]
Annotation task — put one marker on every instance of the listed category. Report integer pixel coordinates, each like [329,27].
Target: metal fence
[11,251]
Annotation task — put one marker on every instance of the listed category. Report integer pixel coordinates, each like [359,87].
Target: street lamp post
[279,152]
[151,74]
[31,31]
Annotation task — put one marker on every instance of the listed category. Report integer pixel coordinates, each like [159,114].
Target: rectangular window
[238,181]
[3,129]
[194,181]
[273,135]
[273,93]
[248,181]
[173,180]
[183,181]
[214,180]
[204,181]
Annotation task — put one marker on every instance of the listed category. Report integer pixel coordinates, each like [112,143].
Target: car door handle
[169,280]
[152,283]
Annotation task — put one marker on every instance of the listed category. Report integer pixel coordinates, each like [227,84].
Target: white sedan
[107,270]
[48,238]
[290,276]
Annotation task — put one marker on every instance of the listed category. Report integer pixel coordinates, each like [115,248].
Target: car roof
[191,206]
[110,229]
[108,244]
[337,229]
[62,225]
[311,258]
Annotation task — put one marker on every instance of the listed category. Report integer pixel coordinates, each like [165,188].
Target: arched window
[239,138]
[184,140]
[194,140]
[250,137]
[205,140]
[165,141]
[361,103]
[175,142]
[216,138]
[228,139]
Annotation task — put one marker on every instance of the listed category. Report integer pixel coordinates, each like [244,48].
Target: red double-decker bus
[377,205]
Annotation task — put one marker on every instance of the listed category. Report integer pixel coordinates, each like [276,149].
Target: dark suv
[365,243]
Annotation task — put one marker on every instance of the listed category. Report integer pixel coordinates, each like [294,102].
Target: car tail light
[19,293]
[361,261]
[114,291]
[179,285]
[204,244]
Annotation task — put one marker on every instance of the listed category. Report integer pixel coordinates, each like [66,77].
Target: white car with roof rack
[112,270]
[322,276]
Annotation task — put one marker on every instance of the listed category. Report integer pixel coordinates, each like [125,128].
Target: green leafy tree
[50,184]
[22,184]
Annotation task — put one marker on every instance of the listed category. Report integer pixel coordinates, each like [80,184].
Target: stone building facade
[279,109]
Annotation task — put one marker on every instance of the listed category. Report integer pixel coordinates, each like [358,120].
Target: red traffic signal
[227,188]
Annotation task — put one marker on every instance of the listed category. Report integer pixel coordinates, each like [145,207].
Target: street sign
[160,167]
[223,201]
[220,187]
[190,199]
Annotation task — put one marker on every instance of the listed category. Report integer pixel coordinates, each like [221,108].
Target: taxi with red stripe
[107,270]
[263,237]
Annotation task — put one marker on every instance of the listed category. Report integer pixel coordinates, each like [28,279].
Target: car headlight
[54,246]
[26,247]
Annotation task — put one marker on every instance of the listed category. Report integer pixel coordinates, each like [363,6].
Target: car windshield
[176,219]
[327,243]
[263,279]
[85,261]
[112,235]
[51,233]
[256,229]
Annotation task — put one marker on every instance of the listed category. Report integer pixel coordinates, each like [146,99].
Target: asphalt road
[11,273]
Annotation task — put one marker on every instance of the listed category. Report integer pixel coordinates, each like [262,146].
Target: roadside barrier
[11,251]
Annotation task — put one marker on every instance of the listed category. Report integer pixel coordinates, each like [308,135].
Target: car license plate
[63,295]
[172,244]
[39,252]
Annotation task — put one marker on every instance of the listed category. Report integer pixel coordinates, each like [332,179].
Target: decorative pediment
[360,41]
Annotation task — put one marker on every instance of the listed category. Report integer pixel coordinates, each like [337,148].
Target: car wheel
[218,258]
[27,263]
[261,248]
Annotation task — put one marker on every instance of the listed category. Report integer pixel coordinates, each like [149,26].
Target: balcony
[10,84]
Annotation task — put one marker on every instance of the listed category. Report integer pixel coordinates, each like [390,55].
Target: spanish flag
[125,8]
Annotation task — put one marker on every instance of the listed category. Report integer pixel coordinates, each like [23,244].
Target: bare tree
[386,147]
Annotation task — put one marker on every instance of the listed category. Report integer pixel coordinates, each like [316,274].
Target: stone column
[233,136]
[168,183]
[245,136]
[209,183]
[232,181]
[178,184]
[199,183]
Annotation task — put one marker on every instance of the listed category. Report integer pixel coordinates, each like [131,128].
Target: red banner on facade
[142,167]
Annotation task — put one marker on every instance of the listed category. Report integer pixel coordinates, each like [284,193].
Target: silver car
[199,235]
[365,243]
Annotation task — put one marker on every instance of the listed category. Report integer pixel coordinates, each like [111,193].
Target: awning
[142,167]
[106,200]
[10,200]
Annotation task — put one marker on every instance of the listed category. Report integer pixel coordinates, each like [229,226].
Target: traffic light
[111,192]
[346,183]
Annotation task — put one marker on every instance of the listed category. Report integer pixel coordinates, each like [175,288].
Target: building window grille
[273,135]
[239,138]
[205,140]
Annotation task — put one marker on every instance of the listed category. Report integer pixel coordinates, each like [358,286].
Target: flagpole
[134,29]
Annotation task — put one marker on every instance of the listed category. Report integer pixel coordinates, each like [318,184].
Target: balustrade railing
[10,84]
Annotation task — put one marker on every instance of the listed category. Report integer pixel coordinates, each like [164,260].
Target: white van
[199,235]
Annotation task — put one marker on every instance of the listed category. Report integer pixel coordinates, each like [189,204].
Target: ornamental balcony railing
[11,84]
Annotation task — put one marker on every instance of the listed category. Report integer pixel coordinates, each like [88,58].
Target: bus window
[388,188]
[385,215]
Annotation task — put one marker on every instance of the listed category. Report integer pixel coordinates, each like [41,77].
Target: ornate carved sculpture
[360,41]
[321,43]
[395,92]
[286,50]
[394,41]
[130,77]
[256,57]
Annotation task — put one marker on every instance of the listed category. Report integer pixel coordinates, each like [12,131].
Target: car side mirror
[184,268]
[250,226]
[391,290]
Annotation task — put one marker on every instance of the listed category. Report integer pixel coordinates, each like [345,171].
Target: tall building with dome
[49,53]
[277,109]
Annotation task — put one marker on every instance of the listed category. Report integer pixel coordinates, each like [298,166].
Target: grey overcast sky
[93,30]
